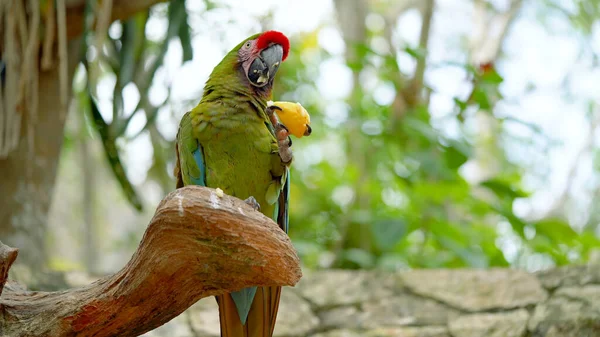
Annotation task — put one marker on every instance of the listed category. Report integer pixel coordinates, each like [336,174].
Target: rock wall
[563,302]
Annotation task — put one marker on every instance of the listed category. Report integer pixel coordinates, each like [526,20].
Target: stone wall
[563,302]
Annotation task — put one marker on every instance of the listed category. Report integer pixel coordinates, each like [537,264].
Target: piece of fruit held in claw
[293,115]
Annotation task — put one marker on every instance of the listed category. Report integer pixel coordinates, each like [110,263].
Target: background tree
[34,97]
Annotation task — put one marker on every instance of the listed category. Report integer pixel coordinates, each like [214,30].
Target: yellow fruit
[293,115]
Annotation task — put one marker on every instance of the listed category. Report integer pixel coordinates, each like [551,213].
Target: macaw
[232,141]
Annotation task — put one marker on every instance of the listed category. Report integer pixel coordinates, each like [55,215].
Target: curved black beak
[265,66]
[308,130]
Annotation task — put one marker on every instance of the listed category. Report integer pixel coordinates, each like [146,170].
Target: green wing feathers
[188,169]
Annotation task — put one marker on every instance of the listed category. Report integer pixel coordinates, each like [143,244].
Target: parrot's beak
[264,67]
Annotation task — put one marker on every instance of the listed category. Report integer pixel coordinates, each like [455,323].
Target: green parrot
[231,141]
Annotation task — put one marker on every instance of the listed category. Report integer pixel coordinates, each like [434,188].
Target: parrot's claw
[271,113]
[253,203]
[285,152]
[283,136]
[285,142]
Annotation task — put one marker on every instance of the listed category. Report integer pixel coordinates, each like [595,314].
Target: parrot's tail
[261,318]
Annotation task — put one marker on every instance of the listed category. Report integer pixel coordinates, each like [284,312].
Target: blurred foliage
[399,199]
[376,185]
[133,59]
[419,210]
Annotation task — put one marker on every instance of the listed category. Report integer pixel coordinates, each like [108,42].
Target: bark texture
[29,171]
[197,245]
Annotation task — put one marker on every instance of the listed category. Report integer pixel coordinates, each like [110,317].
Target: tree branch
[506,19]
[556,209]
[197,245]
[481,24]
[399,105]
[485,43]
[412,93]
[8,255]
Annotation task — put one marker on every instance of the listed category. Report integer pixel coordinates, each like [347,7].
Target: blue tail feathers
[243,301]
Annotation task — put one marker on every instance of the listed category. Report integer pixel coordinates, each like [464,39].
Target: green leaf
[127,60]
[112,154]
[362,50]
[491,77]
[517,224]
[462,105]
[387,232]
[185,38]
[557,230]
[589,241]
[544,245]
[141,19]
[210,5]
[417,53]
[360,257]
[480,97]
[176,15]
[503,189]
[456,155]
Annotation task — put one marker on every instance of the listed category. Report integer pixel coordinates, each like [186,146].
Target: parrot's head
[261,55]
[250,67]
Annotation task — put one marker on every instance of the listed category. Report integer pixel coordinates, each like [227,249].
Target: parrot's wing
[281,215]
[191,154]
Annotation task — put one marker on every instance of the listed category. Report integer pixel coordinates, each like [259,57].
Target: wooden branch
[8,255]
[197,245]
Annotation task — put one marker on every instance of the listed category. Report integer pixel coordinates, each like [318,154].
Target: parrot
[232,141]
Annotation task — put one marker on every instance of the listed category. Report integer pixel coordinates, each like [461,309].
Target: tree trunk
[29,171]
[88,187]
[197,245]
[351,17]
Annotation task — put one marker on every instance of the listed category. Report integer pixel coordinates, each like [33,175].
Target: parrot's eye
[247,45]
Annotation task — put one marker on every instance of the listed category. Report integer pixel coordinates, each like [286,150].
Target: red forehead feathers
[273,36]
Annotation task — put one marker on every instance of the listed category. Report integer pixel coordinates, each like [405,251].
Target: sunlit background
[468,138]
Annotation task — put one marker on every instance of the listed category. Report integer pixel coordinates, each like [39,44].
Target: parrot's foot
[285,143]
[253,203]
[283,136]
[271,113]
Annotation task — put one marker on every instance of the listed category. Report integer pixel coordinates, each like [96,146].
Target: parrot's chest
[240,162]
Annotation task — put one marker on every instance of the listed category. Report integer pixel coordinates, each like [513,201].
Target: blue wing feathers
[199,159]
[281,214]
[284,222]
